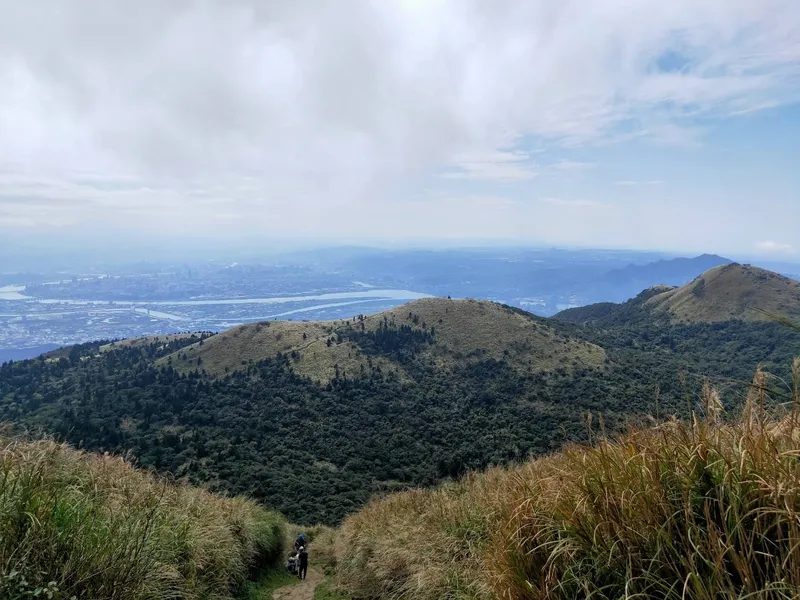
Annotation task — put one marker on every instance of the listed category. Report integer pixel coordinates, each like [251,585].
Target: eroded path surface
[299,591]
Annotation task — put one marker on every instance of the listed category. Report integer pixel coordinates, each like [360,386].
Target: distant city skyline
[667,126]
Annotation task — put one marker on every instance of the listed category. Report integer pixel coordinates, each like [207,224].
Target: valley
[429,390]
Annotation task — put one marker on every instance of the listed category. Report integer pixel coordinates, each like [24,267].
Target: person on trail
[302,563]
[299,542]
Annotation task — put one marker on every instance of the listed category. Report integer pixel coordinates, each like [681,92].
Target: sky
[614,123]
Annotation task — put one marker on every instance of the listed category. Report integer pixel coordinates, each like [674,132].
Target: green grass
[74,524]
[700,510]
[325,591]
[268,583]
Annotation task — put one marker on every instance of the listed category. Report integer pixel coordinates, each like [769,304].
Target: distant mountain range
[619,285]
[537,280]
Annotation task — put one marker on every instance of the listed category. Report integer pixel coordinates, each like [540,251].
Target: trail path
[299,591]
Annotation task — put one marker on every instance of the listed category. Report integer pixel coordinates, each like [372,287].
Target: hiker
[299,542]
[302,563]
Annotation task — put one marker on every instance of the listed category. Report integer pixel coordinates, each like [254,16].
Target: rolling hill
[724,293]
[731,292]
[446,333]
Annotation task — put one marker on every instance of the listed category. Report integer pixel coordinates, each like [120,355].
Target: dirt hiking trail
[299,591]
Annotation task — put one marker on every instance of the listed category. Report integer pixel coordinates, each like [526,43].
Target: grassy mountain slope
[622,284]
[730,292]
[460,331]
[700,510]
[81,525]
[676,271]
[478,330]
[725,293]
[150,339]
[314,355]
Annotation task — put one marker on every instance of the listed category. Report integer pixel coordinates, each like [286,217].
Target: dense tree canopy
[318,451]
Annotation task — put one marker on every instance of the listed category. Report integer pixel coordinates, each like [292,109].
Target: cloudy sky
[621,123]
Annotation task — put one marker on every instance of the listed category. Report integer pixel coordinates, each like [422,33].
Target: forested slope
[317,449]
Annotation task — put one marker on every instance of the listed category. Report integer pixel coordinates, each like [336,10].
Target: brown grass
[731,292]
[701,510]
[466,330]
[147,340]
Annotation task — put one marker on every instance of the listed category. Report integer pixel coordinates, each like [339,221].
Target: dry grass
[702,510]
[466,330]
[147,340]
[476,330]
[731,292]
[234,349]
[91,526]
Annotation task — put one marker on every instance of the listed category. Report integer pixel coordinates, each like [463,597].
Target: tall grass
[74,524]
[702,509]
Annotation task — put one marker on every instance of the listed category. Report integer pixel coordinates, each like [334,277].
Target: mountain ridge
[447,332]
[732,291]
[728,292]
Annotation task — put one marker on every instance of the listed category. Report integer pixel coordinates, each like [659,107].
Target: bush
[74,524]
[700,510]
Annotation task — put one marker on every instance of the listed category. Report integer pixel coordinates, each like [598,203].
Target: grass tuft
[75,524]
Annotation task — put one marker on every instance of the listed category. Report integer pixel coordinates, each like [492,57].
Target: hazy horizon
[40,255]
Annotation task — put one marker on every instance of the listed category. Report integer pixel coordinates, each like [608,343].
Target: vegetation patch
[319,451]
[270,581]
[700,509]
[80,525]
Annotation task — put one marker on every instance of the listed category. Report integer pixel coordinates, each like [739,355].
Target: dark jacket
[303,558]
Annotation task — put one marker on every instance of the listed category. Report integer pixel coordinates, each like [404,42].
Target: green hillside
[314,419]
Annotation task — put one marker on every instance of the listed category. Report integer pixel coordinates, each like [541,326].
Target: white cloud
[631,182]
[284,115]
[493,166]
[573,203]
[775,247]
[571,165]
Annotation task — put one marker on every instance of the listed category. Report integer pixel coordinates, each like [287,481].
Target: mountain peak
[732,291]
[450,333]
